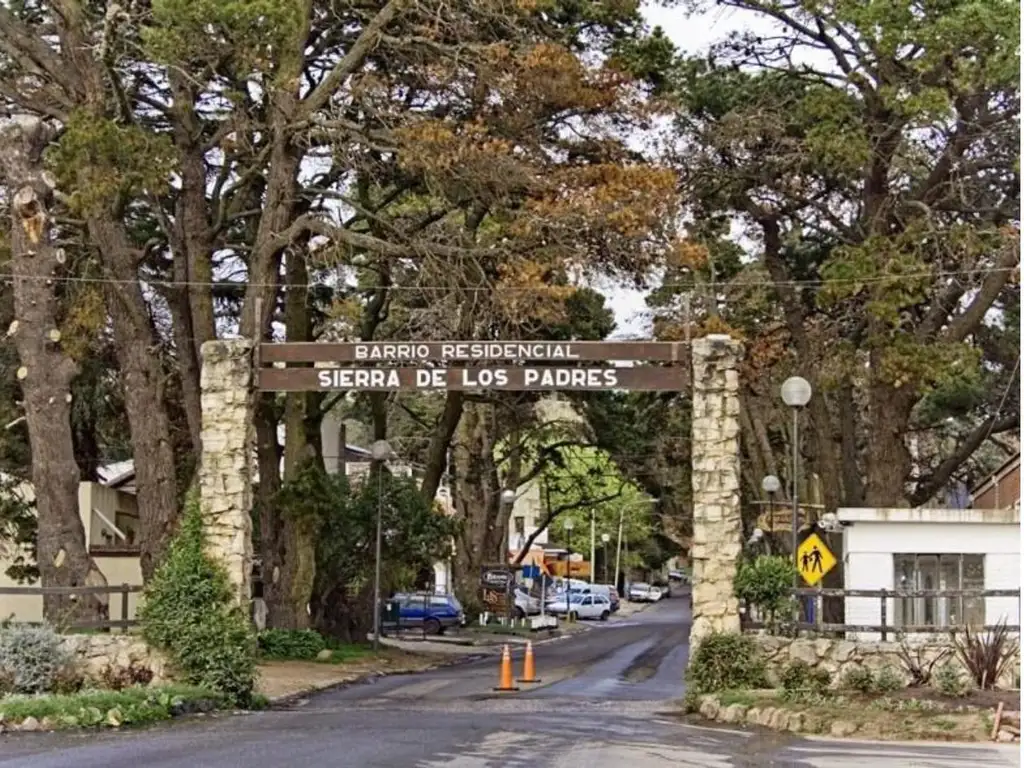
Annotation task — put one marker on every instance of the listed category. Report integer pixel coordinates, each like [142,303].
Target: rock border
[710,707]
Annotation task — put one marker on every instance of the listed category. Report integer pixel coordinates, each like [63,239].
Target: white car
[525,603]
[583,607]
[640,592]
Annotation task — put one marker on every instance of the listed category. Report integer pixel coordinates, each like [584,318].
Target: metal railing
[124,590]
[884,627]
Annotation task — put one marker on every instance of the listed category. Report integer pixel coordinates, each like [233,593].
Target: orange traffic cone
[505,682]
[529,671]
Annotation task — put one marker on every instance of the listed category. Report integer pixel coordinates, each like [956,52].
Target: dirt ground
[281,679]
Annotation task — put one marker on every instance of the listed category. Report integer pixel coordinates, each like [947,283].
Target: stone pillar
[715,446]
[226,464]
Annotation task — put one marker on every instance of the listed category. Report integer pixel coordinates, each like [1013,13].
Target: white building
[527,516]
[931,549]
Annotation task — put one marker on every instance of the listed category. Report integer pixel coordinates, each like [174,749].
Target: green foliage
[33,659]
[798,676]
[887,681]
[18,525]
[949,680]
[190,612]
[290,643]
[105,162]
[345,519]
[862,679]
[766,583]
[725,661]
[859,679]
[134,705]
[255,32]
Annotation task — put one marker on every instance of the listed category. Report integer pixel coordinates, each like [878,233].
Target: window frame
[942,613]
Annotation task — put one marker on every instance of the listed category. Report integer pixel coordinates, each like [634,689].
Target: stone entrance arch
[230,377]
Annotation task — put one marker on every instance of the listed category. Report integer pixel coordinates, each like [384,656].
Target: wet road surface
[608,699]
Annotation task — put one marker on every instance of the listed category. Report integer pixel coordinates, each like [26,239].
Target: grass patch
[343,653]
[744,698]
[112,708]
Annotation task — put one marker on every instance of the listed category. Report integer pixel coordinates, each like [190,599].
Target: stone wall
[715,448]
[226,464]
[97,653]
[838,657]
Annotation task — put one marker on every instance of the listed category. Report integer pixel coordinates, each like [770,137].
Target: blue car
[431,612]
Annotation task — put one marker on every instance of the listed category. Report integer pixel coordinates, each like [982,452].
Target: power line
[717,285]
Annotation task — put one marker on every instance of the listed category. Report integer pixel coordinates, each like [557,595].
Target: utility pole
[593,545]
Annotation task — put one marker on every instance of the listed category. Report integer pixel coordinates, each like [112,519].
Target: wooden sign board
[512,379]
[409,352]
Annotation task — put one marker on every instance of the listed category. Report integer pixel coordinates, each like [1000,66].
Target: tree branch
[353,59]
[553,513]
[929,486]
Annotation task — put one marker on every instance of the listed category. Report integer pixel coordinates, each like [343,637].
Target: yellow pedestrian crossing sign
[814,559]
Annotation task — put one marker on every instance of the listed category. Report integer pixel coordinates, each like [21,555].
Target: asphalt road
[607,700]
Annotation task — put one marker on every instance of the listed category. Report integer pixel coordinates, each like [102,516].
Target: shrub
[725,661]
[766,583]
[190,612]
[290,643]
[950,681]
[859,679]
[32,658]
[916,663]
[802,677]
[887,681]
[985,656]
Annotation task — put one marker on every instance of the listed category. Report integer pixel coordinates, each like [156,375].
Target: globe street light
[796,393]
[605,538]
[771,485]
[380,451]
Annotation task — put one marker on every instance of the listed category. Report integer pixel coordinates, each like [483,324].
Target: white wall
[528,505]
[868,555]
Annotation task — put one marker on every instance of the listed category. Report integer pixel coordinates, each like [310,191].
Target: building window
[939,572]
[519,525]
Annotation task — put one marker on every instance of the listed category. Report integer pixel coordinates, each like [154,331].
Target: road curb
[288,699]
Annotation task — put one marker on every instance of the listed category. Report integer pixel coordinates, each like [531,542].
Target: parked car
[654,594]
[583,607]
[639,592]
[434,613]
[525,603]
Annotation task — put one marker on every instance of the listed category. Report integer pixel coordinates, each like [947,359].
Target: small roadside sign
[814,559]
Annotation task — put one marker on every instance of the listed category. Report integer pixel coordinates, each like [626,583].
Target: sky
[693,34]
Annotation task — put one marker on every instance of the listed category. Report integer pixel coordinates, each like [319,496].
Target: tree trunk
[482,539]
[191,238]
[888,461]
[143,380]
[46,373]
[288,595]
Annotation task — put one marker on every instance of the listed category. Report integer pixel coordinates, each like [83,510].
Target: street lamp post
[507,499]
[568,566]
[771,485]
[380,451]
[605,538]
[593,544]
[796,393]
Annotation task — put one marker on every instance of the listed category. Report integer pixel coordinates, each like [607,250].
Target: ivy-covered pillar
[717,525]
[226,464]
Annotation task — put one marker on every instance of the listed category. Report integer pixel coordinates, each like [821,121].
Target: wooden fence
[124,590]
[884,628]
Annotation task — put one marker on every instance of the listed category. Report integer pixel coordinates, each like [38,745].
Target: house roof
[1005,468]
[121,474]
